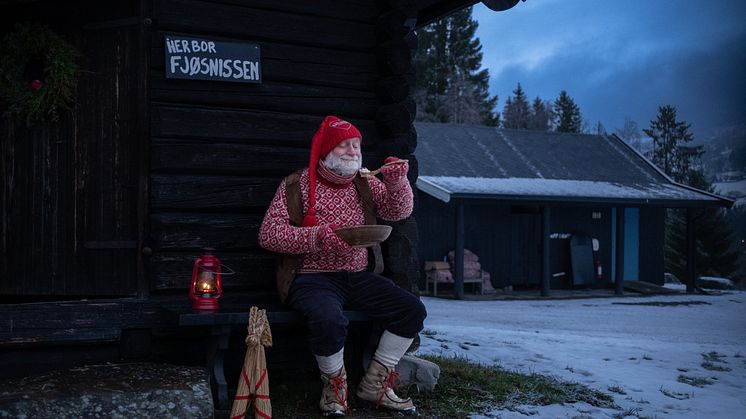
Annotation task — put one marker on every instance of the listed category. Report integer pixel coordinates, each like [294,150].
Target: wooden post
[458,284]
[545,232]
[619,274]
[691,254]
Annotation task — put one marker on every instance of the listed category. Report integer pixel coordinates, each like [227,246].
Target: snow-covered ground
[642,350]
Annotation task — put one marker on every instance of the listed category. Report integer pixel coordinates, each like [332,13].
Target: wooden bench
[435,269]
[232,317]
[476,281]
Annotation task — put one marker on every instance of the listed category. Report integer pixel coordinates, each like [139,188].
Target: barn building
[546,209]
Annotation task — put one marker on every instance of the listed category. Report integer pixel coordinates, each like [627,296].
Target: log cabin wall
[218,150]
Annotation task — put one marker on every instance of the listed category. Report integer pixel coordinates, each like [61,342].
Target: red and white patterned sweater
[337,202]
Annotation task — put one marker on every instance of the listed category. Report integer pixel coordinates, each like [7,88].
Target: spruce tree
[541,115]
[669,136]
[567,114]
[716,251]
[448,60]
[516,113]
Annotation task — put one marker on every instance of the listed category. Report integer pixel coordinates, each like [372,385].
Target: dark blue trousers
[321,296]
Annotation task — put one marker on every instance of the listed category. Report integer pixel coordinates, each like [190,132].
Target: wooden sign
[206,59]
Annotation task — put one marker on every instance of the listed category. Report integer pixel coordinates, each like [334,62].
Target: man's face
[346,158]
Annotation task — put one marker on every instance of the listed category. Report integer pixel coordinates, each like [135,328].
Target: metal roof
[480,162]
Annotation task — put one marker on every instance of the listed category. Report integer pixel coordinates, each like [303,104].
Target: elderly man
[320,273]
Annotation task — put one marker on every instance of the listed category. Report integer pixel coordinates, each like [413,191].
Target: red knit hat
[331,132]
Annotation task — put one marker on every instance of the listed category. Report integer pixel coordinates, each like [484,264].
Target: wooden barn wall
[652,221]
[219,150]
[69,188]
[507,238]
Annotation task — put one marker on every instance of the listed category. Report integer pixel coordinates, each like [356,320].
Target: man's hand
[331,242]
[394,172]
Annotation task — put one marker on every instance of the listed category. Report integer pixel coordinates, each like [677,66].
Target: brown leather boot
[377,386]
[334,394]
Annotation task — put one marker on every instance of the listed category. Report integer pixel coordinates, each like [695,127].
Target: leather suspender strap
[294,199]
[288,264]
[363,188]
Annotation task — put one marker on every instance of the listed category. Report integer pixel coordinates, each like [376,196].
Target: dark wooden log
[253,270]
[409,7]
[234,159]
[255,127]
[394,58]
[59,336]
[392,89]
[396,119]
[201,17]
[403,144]
[350,10]
[211,193]
[294,99]
[226,159]
[225,232]
[394,24]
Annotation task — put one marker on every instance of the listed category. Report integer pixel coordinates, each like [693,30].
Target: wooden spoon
[367,173]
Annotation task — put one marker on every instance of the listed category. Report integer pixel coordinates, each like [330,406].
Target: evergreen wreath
[38,73]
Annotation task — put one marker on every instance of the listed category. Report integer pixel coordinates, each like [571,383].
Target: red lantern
[207,281]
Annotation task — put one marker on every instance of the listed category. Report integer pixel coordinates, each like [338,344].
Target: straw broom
[254,381]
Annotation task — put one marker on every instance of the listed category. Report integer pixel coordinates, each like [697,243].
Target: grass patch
[674,394]
[465,388]
[429,333]
[694,381]
[617,389]
[714,367]
[714,357]
[635,411]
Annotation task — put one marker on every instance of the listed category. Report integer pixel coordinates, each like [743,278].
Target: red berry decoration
[36,84]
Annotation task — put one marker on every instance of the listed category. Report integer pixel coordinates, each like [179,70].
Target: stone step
[132,390]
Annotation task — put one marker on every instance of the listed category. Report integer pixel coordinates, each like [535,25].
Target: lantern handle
[230,271]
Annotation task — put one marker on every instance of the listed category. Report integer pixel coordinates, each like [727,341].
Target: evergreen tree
[516,113]
[541,115]
[567,114]
[448,63]
[669,136]
[716,251]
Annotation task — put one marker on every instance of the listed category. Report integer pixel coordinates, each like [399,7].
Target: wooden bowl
[364,235]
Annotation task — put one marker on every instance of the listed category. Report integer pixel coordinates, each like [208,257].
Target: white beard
[344,165]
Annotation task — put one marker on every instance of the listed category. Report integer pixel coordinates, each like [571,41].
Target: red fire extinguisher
[599,270]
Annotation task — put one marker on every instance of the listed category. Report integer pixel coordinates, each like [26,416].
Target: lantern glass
[206,284]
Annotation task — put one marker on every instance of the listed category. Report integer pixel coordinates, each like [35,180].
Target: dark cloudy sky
[622,58]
